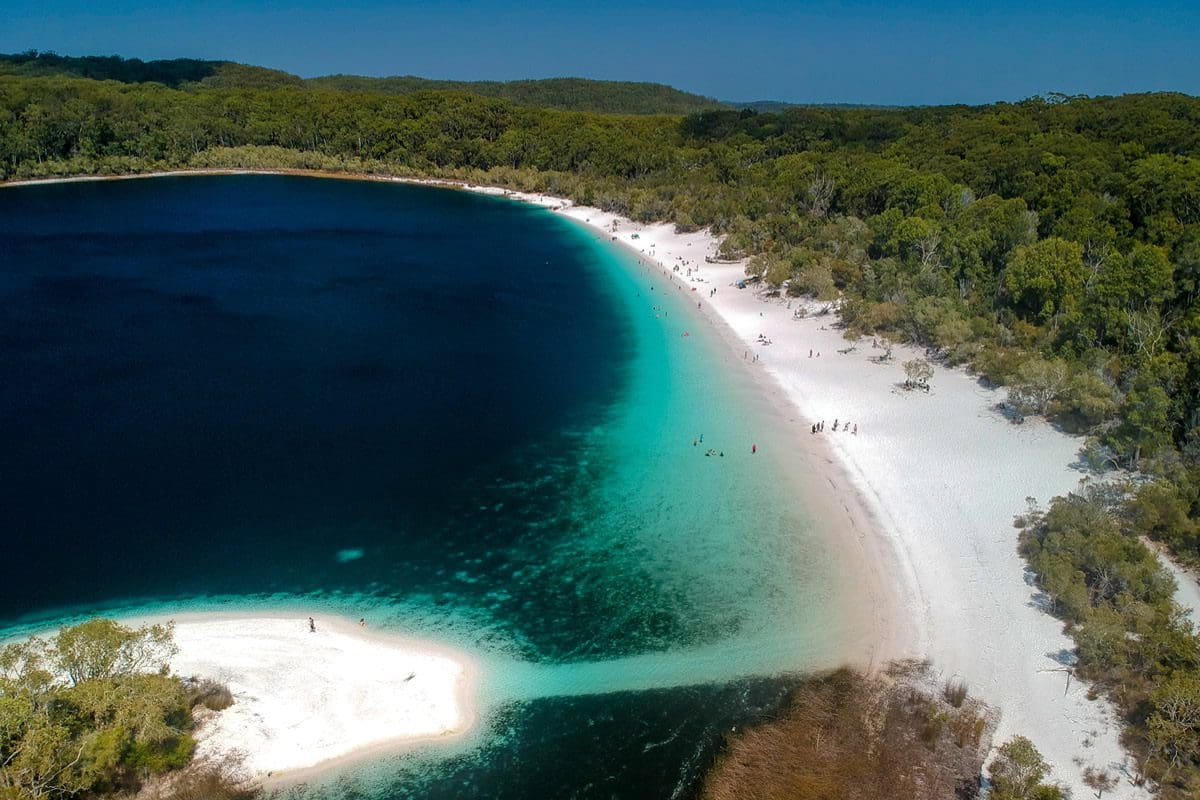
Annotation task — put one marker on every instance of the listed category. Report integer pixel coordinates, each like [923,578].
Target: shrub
[209,781]
[1085,401]
[816,280]
[208,693]
[170,754]
[1037,384]
[955,692]
[999,365]
[968,729]
[1017,772]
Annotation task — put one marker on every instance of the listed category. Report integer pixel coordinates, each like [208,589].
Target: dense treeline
[172,72]
[569,94]
[49,125]
[1052,244]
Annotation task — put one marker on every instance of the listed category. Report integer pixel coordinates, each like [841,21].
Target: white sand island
[305,699]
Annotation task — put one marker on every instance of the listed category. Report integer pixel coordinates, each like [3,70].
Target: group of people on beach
[819,427]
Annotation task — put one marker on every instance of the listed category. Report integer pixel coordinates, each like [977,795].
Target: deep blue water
[463,417]
[210,386]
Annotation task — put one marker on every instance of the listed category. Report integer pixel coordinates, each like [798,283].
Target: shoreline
[934,482]
[846,522]
[892,634]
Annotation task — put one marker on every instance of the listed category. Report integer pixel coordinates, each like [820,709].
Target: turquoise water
[464,418]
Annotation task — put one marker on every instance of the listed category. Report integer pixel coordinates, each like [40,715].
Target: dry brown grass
[207,781]
[955,692]
[208,693]
[849,736]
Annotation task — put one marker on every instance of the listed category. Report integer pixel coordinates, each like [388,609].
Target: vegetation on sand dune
[849,735]
[91,711]
[1133,641]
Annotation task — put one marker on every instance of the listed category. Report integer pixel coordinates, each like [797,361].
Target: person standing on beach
[312,626]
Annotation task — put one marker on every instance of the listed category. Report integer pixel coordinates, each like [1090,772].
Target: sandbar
[307,700]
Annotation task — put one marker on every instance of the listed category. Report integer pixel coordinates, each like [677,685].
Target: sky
[854,51]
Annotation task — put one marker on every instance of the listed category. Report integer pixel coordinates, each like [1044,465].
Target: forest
[1050,245]
[571,94]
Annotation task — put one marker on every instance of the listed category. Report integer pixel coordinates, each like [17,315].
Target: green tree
[918,370]
[1017,771]
[102,648]
[1145,421]
[1047,278]
[88,711]
[1038,383]
[1174,724]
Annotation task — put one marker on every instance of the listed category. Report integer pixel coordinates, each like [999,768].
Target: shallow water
[465,418]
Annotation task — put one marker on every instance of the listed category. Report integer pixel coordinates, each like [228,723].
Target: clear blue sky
[864,51]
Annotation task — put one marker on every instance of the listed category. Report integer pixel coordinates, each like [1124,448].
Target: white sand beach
[305,700]
[943,473]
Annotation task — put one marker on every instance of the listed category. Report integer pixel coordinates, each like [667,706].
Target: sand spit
[308,699]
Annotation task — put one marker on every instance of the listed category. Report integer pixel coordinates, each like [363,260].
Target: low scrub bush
[210,694]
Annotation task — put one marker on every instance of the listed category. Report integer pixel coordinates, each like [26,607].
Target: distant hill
[174,72]
[230,75]
[775,106]
[766,106]
[575,94]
